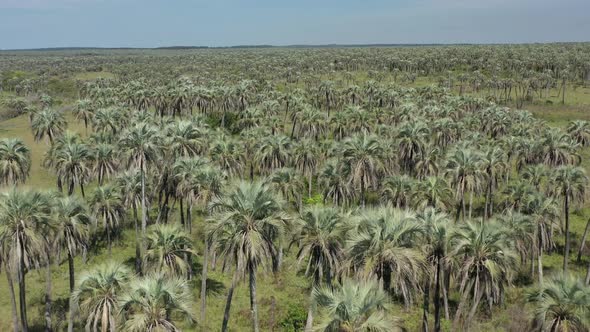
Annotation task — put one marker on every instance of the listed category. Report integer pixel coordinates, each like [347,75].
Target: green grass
[89,76]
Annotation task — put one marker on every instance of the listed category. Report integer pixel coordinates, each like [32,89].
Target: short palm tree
[15,161]
[561,304]
[97,295]
[247,226]
[168,251]
[355,306]
[151,304]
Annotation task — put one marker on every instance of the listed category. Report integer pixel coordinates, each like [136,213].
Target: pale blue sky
[152,23]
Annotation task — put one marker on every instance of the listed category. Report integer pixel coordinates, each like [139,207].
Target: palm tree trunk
[22,294]
[566,250]
[82,190]
[15,325]
[540,264]
[72,284]
[204,285]
[253,305]
[583,242]
[437,296]
[143,206]
[426,305]
[588,275]
[230,294]
[48,327]
[181,213]
[309,320]
[137,242]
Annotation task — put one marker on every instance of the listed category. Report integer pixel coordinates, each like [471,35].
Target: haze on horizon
[153,23]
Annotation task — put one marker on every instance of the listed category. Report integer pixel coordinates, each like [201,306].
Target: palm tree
[84,111]
[247,225]
[97,295]
[25,220]
[72,162]
[273,152]
[105,162]
[187,174]
[141,143]
[381,245]
[320,244]
[73,223]
[15,161]
[493,165]
[465,175]
[290,184]
[579,131]
[152,303]
[433,191]
[306,156]
[129,185]
[570,184]
[333,178]
[107,205]
[168,248]
[485,261]
[355,306]
[364,153]
[561,304]
[437,233]
[48,123]
[398,191]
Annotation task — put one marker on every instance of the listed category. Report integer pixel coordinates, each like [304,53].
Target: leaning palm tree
[168,251]
[15,161]
[355,306]
[97,294]
[381,245]
[570,184]
[73,223]
[25,220]
[107,206]
[562,304]
[151,304]
[320,245]
[247,226]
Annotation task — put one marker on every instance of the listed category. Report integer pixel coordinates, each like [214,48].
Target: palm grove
[388,198]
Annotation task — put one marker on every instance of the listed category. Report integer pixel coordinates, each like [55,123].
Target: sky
[154,23]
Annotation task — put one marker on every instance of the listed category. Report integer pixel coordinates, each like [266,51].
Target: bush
[295,319]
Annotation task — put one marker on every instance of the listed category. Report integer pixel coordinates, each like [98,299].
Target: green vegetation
[356,189]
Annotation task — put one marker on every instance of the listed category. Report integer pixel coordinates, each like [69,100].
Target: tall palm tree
[364,153]
[381,245]
[320,244]
[333,178]
[493,165]
[49,124]
[247,226]
[437,232]
[306,155]
[152,304]
[168,248]
[569,184]
[463,169]
[72,162]
[398,191]
[73,222]
[434,192]
[359,306]
[97,295]
[561,304]
[129,185]
[25,220]
[140,144]
[107,206]
[15,161]
[273,152]
[84,111]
